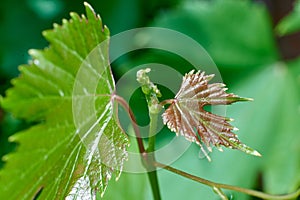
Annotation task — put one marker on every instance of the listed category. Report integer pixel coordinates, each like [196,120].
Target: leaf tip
[87,5]
[220,148]
[106,30]
[89,10]
[248,150]
[208,158]
[245,99]
[44,33]
[256,153]
[65,21]
[1,100]
[75,16]
[235,129]
[32,52]
[5,158]
[228,119]
[12,138]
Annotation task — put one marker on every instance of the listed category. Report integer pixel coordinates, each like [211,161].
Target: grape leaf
[213,24]
[186,115]
[61,156]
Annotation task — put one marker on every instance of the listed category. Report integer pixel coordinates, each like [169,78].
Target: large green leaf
[272,124]
[76,144]
[223,28]
[226,29]
[130,185]
[282,167]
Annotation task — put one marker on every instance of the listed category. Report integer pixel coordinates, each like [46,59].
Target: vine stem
[212,184]
[152,173]
[136,129]
[147,156]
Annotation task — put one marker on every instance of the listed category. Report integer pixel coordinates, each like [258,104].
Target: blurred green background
[257,58]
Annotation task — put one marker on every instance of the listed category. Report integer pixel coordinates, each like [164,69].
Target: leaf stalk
[212,184]
[152,172]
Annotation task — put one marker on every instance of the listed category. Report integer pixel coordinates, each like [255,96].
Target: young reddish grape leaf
[53,159]
[186,115]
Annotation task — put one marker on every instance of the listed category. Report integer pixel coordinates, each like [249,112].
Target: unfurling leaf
[186,115]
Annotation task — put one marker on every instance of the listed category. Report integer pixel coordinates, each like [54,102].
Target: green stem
[152,173]
[151,93]
[154,184]
[152,132]
[255,193]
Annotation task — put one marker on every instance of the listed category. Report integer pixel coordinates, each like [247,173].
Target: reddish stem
[125,105]
[167,101]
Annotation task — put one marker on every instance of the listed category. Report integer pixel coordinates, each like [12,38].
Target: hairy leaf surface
[76,144]
[186,115]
